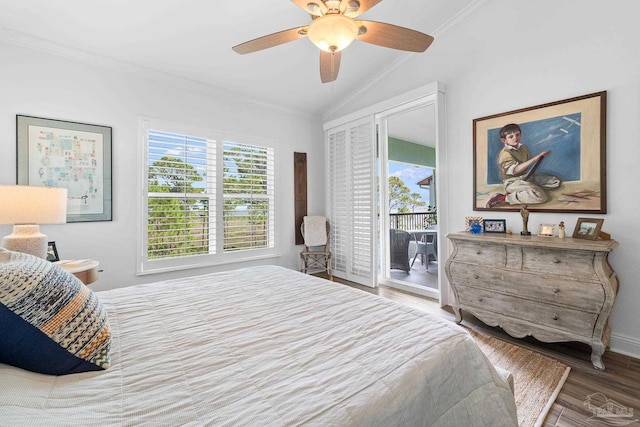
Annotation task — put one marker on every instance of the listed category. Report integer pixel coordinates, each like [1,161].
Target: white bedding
[267,346]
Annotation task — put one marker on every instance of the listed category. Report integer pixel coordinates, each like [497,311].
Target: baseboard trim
[625,345]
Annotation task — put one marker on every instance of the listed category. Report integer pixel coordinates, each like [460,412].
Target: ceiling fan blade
[271,40]
[314,7]
[389,35]
[329,66]
[353,9]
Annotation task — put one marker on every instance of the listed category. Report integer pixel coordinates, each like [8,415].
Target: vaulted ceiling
[191,40]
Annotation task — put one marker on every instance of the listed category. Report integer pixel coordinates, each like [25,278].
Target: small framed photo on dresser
[587,228]
[495,226]
[548,230]
[471,220]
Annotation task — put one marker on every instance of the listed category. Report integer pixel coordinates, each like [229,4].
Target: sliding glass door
[408,214]
[363,151]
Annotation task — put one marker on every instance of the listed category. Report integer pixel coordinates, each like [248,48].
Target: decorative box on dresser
[553,289]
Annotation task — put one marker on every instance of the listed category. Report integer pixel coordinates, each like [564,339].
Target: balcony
[418,275]
[413,221]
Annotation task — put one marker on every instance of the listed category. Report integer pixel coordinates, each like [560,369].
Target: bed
[266,346]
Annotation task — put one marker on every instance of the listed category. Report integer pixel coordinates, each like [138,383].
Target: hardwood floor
[618,385]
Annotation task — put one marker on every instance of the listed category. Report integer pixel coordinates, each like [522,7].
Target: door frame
[430,93]
[381,121]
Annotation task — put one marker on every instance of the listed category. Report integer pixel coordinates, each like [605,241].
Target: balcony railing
[413,221]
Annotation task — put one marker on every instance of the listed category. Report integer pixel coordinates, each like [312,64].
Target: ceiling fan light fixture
[332,32]
[314,9]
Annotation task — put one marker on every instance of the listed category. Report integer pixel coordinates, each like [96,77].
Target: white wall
[43,85]
[503,55]
[507,55]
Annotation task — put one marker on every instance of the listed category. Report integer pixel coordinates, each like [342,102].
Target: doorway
[407,177]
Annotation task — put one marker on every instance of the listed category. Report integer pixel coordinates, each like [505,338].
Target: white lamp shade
[25,207]
[25,204]
[333,32]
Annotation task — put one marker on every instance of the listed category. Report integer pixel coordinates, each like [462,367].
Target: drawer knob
[555,317]
[556,290]
[556,261]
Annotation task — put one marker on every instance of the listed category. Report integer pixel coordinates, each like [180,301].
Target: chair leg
[414,259]
[327,266]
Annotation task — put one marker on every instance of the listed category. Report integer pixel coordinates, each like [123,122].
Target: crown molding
[21,39]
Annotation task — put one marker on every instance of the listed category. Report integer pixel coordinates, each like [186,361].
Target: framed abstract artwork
[550,157]
[76,156]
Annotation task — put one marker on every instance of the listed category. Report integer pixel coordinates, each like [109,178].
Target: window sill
[147,270]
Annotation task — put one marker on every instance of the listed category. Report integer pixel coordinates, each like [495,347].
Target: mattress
[267,346]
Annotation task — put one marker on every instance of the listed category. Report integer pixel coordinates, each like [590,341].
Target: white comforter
[267,346]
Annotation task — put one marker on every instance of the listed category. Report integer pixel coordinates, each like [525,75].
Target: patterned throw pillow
[49,321]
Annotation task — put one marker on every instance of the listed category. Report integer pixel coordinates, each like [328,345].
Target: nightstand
[84,269]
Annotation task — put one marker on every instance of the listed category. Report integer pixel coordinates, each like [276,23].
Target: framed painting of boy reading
[550,158]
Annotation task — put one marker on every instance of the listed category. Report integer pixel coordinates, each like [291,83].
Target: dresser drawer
[584,296]
[556,317]
[486,255]
[575,264]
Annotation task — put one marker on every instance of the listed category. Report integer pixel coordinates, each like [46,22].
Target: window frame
[220,257]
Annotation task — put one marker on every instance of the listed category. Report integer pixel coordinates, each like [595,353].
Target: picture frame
[548,230]
[52,252]
[76,156]
[470,220]
[574,132]
[495,226]
[587,228]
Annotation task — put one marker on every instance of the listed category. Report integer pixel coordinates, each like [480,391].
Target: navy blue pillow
[49,321]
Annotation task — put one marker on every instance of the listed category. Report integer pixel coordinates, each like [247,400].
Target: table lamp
[25,207]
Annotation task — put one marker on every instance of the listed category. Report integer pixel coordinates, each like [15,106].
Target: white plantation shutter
[351,201]
[207,199]
[362,205]
[338,201]
[181,195]
[248,197]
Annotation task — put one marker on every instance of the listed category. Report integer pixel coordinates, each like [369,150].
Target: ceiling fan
[333,28]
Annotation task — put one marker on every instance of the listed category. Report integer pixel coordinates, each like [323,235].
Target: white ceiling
[417,125]
[191,40]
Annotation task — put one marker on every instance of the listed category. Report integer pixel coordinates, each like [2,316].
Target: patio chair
[426,247]
[399,247]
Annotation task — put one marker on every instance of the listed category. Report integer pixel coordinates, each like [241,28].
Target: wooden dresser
[553,289]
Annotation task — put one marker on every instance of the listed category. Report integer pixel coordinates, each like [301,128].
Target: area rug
[537,378]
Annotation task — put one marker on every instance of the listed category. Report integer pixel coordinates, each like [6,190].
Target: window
[208,198]
[248,196]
